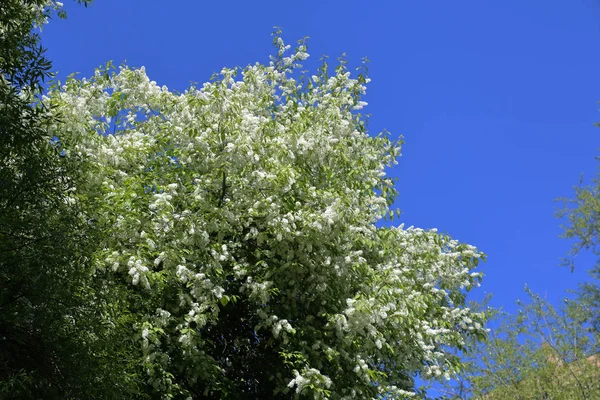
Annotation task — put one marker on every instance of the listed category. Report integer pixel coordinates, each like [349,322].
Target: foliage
[542,352]
[54,337]
[239,219]
[23,64]
[582,215]
[545,352]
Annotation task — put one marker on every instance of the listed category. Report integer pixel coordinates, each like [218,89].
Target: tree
[239,218]
[542,352]
[582,215]
[54,338]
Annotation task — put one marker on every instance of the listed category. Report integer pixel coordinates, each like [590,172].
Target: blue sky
[496,100]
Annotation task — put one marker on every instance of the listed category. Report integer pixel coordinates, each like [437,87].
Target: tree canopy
[239,221]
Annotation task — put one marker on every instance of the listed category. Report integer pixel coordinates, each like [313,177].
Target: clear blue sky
[496,100]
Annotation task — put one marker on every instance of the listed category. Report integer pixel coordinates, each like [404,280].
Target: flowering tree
[240,216]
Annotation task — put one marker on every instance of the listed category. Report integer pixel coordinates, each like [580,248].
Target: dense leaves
[54,338]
